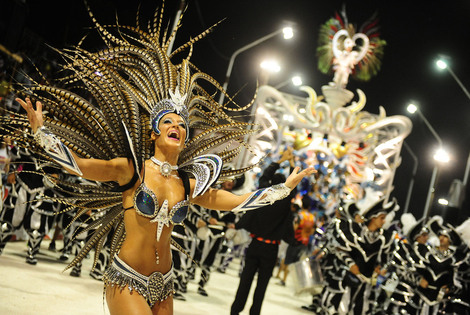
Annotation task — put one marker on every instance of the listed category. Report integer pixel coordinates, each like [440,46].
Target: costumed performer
[140,92]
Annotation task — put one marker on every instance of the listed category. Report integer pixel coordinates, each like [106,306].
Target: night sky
[416,32]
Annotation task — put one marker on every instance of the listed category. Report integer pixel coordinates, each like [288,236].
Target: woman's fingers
[39,107]
[34,116]
[23,104]
[309,170]
[295,177]
[28,106]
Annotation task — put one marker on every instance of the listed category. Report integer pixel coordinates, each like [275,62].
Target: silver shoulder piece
[206,170]
[131,147]
[56,149]
[263,197]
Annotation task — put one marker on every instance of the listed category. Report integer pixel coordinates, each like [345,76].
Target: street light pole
[296,80]
[431,189]
[443,65]
[412,109]
[412,181]
[175,24]
[439,140]
[458,81]
[236,53]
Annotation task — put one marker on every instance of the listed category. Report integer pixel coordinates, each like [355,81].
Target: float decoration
[356,153]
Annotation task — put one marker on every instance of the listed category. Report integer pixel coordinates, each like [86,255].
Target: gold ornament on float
[302,140]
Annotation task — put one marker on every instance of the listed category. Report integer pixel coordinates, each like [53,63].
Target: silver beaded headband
[165,106]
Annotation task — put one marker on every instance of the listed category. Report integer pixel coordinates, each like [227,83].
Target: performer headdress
[437,226]
[417,230]
[174,105]
[129,86]
[379,208]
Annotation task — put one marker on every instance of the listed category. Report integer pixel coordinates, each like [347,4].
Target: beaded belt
[259,238]
[154,288]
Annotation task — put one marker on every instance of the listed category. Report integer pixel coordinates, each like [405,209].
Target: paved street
[44,289]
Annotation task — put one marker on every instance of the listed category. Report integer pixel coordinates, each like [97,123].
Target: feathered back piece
[338,34]
[116,89]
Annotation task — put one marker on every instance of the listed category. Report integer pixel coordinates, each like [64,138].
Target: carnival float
[355,152]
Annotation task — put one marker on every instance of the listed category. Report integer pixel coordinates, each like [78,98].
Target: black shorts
[294,252]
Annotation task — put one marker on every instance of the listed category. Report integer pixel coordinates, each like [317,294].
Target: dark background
[416,32]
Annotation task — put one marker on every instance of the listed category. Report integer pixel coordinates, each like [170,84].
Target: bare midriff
[140,246]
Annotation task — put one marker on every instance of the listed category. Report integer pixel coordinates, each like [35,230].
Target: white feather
[408,221]
[464,231]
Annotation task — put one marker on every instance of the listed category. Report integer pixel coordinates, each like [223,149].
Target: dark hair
[306,202]
[296,206]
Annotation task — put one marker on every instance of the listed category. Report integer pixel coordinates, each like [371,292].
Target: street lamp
[270,65]
[443,201]
[440,157]
[443,65]
[287,32]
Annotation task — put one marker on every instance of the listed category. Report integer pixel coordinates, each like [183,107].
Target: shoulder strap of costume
[185,178]
[131,183]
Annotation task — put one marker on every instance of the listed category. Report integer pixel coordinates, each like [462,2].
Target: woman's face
[172,132]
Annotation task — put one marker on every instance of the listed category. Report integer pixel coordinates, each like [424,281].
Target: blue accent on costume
[146,204]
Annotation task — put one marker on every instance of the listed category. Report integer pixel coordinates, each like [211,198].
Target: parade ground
[44,289]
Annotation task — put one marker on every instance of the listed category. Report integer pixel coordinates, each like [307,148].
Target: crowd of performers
[369,265]
[371,269]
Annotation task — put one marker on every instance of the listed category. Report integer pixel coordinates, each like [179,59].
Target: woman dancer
[137,89]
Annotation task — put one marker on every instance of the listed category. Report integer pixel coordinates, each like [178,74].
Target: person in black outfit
[267,226]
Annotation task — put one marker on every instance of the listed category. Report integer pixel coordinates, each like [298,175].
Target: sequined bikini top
[146,204]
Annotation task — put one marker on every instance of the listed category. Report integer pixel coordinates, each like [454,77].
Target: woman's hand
[34,116]
[295,177]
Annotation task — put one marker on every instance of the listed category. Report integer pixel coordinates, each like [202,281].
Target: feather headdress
[112,99]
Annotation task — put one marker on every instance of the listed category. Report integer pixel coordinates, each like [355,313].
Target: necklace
[165,167]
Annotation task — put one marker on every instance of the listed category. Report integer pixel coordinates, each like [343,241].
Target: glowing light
[443,201]
[288,32]
[441,64]
[296,80]
[441,156]
[270,65]
[412,108]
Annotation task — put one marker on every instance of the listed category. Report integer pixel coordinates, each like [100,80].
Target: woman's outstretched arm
[218,199]
[120,170]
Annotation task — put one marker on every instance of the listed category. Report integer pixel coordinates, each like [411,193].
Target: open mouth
[174,135]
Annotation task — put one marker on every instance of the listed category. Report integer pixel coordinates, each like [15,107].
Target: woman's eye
[167,121]
[182,125]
